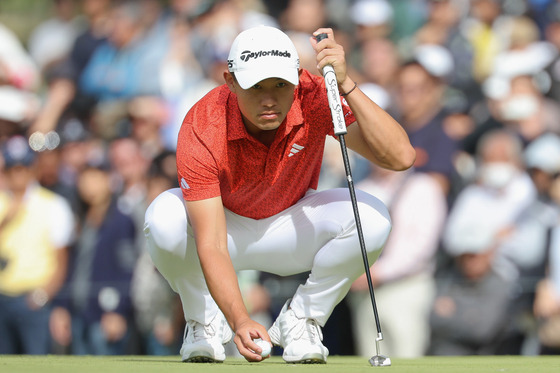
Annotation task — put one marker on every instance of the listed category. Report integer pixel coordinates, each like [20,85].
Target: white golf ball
[265,346]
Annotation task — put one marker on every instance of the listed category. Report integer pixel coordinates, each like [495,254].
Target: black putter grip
[321,37]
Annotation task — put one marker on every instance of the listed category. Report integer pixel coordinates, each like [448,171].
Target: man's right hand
[245,334]
[208,221]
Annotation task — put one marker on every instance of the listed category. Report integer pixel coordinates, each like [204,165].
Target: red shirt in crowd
[216,156]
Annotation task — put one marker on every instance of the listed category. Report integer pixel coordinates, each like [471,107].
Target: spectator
[484,219]
[403,274]
[51,41]
[147,115]
[470,310]
[111,76]
[19,80]
[157,309]
[97,302]
[130,170]
[421,87]
[500,193]
[112,70]
[527,111]
[552,35]
[484,31]
[516,103]
[48,173]
[372,19]
[380,63]
[529,244]
[36,227]
[443,27]
[64,99]
[304,16]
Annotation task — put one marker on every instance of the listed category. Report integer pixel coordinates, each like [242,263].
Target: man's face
[18,177]
[476,266]
[265,105]
[416,89]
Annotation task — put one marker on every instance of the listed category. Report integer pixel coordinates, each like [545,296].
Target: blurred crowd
[90,107]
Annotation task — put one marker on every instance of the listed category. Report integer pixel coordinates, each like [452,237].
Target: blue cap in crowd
[16,152]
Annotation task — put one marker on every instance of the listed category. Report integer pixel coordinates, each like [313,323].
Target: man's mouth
[269,115]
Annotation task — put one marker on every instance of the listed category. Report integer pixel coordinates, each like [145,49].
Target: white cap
[469,238]
[371,12]
[544,153]
[436,59]
[263,52]
[377,94]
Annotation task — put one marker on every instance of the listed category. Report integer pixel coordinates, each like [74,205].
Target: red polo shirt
[217,157]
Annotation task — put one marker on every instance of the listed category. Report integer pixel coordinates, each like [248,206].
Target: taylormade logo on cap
[263,52]
[247,55]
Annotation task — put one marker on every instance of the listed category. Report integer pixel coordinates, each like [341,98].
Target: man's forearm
[386,141]
[223,285]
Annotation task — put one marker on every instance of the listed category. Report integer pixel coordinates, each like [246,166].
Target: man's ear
[230,81]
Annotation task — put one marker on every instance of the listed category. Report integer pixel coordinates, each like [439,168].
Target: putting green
[145,364]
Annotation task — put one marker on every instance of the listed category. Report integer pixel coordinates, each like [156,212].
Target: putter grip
[333,95]
[321,37]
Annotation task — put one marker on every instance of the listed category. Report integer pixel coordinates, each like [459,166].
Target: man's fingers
[325,30]
[248,349]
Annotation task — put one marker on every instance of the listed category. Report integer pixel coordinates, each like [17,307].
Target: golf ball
[265,347]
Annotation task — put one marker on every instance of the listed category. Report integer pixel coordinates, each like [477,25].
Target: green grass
[145,364]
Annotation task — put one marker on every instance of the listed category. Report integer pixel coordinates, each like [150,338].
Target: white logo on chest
[295,149]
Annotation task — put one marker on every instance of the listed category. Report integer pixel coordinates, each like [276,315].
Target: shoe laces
[306,329]
[200,331]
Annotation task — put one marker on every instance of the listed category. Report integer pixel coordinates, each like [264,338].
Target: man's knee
[376,222]
[165,224]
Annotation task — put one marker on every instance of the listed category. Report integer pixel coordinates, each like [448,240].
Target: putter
[340,130]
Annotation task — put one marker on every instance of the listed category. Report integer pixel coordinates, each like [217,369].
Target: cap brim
[249,78]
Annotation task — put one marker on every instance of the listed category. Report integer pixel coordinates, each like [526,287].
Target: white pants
[317,234]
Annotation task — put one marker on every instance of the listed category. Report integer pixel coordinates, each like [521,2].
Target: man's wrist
[240,320]
[347,87]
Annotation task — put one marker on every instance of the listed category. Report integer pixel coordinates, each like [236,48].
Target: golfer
[248,158]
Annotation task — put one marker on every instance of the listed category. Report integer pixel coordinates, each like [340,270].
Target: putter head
[380,361]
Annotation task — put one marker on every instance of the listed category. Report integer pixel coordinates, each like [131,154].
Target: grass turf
[145,364]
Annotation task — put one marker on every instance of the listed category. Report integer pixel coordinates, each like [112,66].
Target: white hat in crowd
[472,238]
[263,52]
[377,94]
[544,153]
[436,59]
[371,12]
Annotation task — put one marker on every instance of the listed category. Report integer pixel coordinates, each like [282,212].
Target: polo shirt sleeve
[196,166]
[349,117]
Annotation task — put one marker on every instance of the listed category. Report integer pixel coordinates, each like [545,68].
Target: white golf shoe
[300,338]
[205,343]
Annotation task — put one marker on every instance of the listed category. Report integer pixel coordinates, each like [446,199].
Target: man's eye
[256,86]
[281,85]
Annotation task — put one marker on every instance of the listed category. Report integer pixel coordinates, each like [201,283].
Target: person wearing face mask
[501,191]
[527,111]
[498,205]
[516,103]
